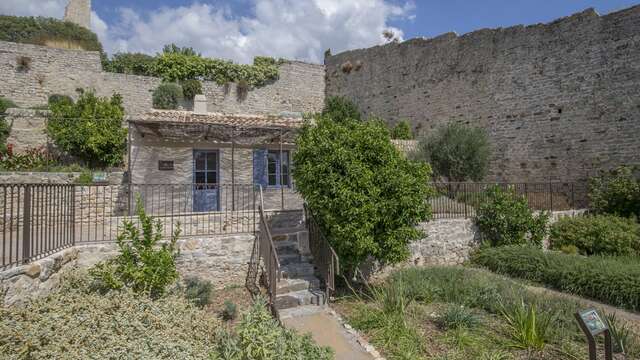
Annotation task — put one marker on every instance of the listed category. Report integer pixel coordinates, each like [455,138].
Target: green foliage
[175,49]
[457,317]
[505,218]
[143,264]
[85,178]
[230,310]
[59,99]
[40,31]
[529,329]
[457,152]
[198,291]
[191,88]
[5,128]
[260,337]
[366,196]
[76,323]
[616,192]
[624,340]
[91,129]
[167,96]
[180,66]
[33,159]
[612,280]
[130,63]
[339,108]
[597,235]
[402,131]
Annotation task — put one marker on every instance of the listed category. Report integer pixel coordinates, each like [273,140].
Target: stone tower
[79,12]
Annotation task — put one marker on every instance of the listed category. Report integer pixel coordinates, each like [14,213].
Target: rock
[33,270]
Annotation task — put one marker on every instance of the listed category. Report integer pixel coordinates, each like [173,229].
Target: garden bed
[462,313]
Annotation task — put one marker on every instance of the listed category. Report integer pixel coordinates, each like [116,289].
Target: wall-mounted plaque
[165,165]
[99,177]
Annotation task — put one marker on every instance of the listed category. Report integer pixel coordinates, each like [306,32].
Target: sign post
[592,325]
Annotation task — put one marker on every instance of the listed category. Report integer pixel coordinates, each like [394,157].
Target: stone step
[287,247]
[304,283]
[299,270]
[299,298]
[287,230]
[290,259]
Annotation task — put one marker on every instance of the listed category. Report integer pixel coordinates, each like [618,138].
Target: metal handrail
[324,256]
[267,251]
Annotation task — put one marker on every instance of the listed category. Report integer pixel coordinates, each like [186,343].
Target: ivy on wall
[47,31]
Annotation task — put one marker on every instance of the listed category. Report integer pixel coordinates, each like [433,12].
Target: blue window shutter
[260,167]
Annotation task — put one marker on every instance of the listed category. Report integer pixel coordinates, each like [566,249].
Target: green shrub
[457,317]
[339,108]
[58,99]
[457,152]
[5,128]
[505,218]
[597,235]
[167,96]
[191,88]
[260,337]
[90,130]
[402,131]
[131,63]
[230,311]
[76,323]
[33,159]
[624,340]
[529,329]
[616,192]
[143,264]
[198,291]
[44,31]
[615,280]
[366,195]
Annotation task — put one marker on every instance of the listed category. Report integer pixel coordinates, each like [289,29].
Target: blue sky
[296,29]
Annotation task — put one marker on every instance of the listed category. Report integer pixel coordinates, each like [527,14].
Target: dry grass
[63,44]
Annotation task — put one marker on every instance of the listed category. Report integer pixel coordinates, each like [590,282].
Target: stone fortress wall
[559,101]
[300,87]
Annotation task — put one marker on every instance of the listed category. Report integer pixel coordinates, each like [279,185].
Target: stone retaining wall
[221,259]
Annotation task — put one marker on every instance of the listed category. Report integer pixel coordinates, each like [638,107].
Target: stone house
[220,158]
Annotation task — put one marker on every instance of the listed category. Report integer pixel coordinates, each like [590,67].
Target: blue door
[205,181]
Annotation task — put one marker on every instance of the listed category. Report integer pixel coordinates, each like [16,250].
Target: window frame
[280,163]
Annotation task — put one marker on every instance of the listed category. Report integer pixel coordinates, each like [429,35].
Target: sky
[296,29]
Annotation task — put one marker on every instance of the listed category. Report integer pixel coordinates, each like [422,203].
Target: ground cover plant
[366,195]
[596,235]
[465,313]
[612,280]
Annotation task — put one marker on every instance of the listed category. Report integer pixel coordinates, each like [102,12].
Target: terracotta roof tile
[242,120]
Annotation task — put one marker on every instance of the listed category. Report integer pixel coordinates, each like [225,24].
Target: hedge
[612,280]
[597,235]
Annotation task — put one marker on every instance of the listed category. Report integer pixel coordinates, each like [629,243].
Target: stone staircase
[298,285]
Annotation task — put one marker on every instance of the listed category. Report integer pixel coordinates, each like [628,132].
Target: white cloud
[293,29]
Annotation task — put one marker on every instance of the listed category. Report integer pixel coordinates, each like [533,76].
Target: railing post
[26,225]
[573,199]
[73,214]
[466,198]
[551,196]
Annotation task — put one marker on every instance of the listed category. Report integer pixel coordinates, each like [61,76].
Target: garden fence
[40,219]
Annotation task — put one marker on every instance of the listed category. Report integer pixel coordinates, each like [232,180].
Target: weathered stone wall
[558,101]
[19,177]
[28,129]
[222,259]
[78,12]
[300,87]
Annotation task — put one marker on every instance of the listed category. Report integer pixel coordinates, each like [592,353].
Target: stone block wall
[300,87]
[28,129]
[223,260]
[559,101]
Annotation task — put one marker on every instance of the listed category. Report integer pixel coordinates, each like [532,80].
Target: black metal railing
[324,256]
[460,200]
[268,254]
[40,219]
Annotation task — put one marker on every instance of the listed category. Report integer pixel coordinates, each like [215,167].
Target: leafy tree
[616,192]
[457,152]
[143,264]
[131,63]
[40,30]
[402,131]
[191,88]
[504,218]
[340,108]
[175,49]
[90,129]
[366,196]
[167,96]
